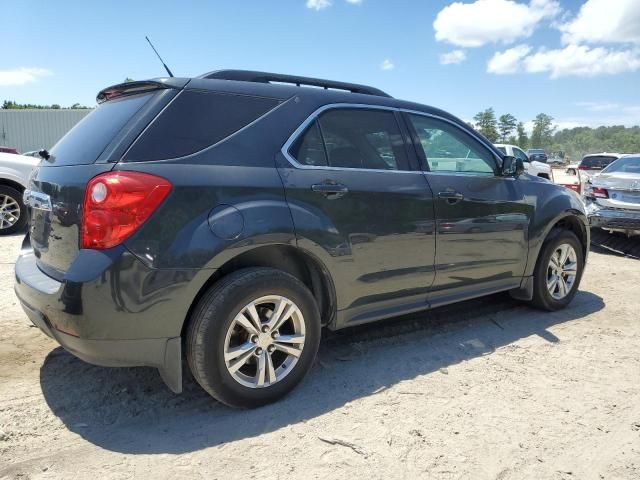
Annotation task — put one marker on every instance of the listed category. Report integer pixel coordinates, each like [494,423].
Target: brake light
[583,167]
[599,192]
[116,204]
[574,187]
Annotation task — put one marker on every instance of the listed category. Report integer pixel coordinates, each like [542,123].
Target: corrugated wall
[29,130]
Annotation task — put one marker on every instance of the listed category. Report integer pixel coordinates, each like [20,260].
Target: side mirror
[512,166]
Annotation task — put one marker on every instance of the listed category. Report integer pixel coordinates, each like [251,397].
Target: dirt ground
[489,389]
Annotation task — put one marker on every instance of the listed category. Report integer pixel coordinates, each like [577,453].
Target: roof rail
[265,77]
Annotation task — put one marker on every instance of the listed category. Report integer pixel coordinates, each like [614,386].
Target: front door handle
[331,191]
[451,196]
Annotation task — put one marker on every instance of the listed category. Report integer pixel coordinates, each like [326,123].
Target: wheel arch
[7,182]
[301,264]
[570,219]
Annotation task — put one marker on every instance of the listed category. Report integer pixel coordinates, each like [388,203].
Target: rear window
[85,142]
[196,120]
[597,162]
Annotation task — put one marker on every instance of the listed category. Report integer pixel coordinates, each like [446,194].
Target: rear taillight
[575,188]
[582,167]
[116,204]
[599,192]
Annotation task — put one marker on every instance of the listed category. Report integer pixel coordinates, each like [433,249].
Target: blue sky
[578,60]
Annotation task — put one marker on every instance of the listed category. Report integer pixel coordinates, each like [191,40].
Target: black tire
[22,220]
[542,298]
[212,318]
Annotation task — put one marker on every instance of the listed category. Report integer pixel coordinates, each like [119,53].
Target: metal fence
[28,130]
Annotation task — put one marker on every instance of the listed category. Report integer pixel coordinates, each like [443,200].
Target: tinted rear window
[598,162]
[196,120]
[85,142]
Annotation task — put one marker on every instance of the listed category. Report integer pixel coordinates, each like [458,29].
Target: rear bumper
[102,321]
[614,218]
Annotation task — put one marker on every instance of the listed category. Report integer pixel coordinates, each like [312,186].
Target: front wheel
[558,271]
[253,337]
[13,213]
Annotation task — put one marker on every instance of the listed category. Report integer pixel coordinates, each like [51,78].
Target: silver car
[613,197]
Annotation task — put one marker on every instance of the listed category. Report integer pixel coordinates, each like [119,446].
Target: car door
[482,218]
[360,208]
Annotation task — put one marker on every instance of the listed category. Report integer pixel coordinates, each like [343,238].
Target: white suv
[537,169]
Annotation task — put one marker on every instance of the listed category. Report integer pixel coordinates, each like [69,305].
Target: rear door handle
[451,197]
[330,190]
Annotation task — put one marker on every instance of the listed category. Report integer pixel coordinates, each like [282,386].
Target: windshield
[85,142]
[624,165]
[597,162]
[536,151]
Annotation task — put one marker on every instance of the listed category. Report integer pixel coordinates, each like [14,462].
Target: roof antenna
[159,57]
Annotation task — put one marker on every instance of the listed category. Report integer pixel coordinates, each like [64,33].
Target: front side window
[447,148]
[352,138]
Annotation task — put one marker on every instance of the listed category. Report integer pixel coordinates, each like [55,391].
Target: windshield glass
[624,165]
[535,150]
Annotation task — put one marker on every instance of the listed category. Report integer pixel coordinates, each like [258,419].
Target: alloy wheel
[562,271]
[9,211]
[264,341]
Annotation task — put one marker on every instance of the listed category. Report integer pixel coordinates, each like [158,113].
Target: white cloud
[387,65]
[22,76]
[509,61]
[604,21]
[598,106]
[354,2]
[318,4]
[491,21]
[453,58]
[580,60]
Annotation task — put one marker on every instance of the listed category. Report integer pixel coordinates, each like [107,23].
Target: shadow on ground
[130,410]
[615,243]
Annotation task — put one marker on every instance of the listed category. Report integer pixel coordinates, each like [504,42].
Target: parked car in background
[613,196]
[535,168]
[8,150]
[14,176]
[593,164]
[537,155]
[228,218]
[570,178]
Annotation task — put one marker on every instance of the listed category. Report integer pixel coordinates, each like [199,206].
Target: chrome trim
[332,106]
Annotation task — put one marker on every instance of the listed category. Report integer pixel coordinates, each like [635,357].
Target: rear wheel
[13,213]
[253,337]
[558,271]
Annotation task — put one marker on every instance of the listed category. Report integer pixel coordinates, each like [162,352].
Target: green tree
[523,138]
[486,124]
[506,126]
[543,129]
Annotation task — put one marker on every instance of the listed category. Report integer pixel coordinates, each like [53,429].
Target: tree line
[11,105]
[572,143]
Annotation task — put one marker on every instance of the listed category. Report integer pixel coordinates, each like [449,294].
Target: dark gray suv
[226,219]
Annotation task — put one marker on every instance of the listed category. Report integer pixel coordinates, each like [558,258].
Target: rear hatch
[594,164]
[56,188]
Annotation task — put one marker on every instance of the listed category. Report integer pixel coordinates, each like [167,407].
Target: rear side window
[598,162]
[196,120]
[353,138]
[502,149]
[85,142]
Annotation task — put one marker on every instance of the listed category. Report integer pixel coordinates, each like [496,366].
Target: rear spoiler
[142,86]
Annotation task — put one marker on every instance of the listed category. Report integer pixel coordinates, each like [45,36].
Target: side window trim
[403,112]
[420,152]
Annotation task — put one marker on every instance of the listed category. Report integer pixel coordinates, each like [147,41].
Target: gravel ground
[486,389]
